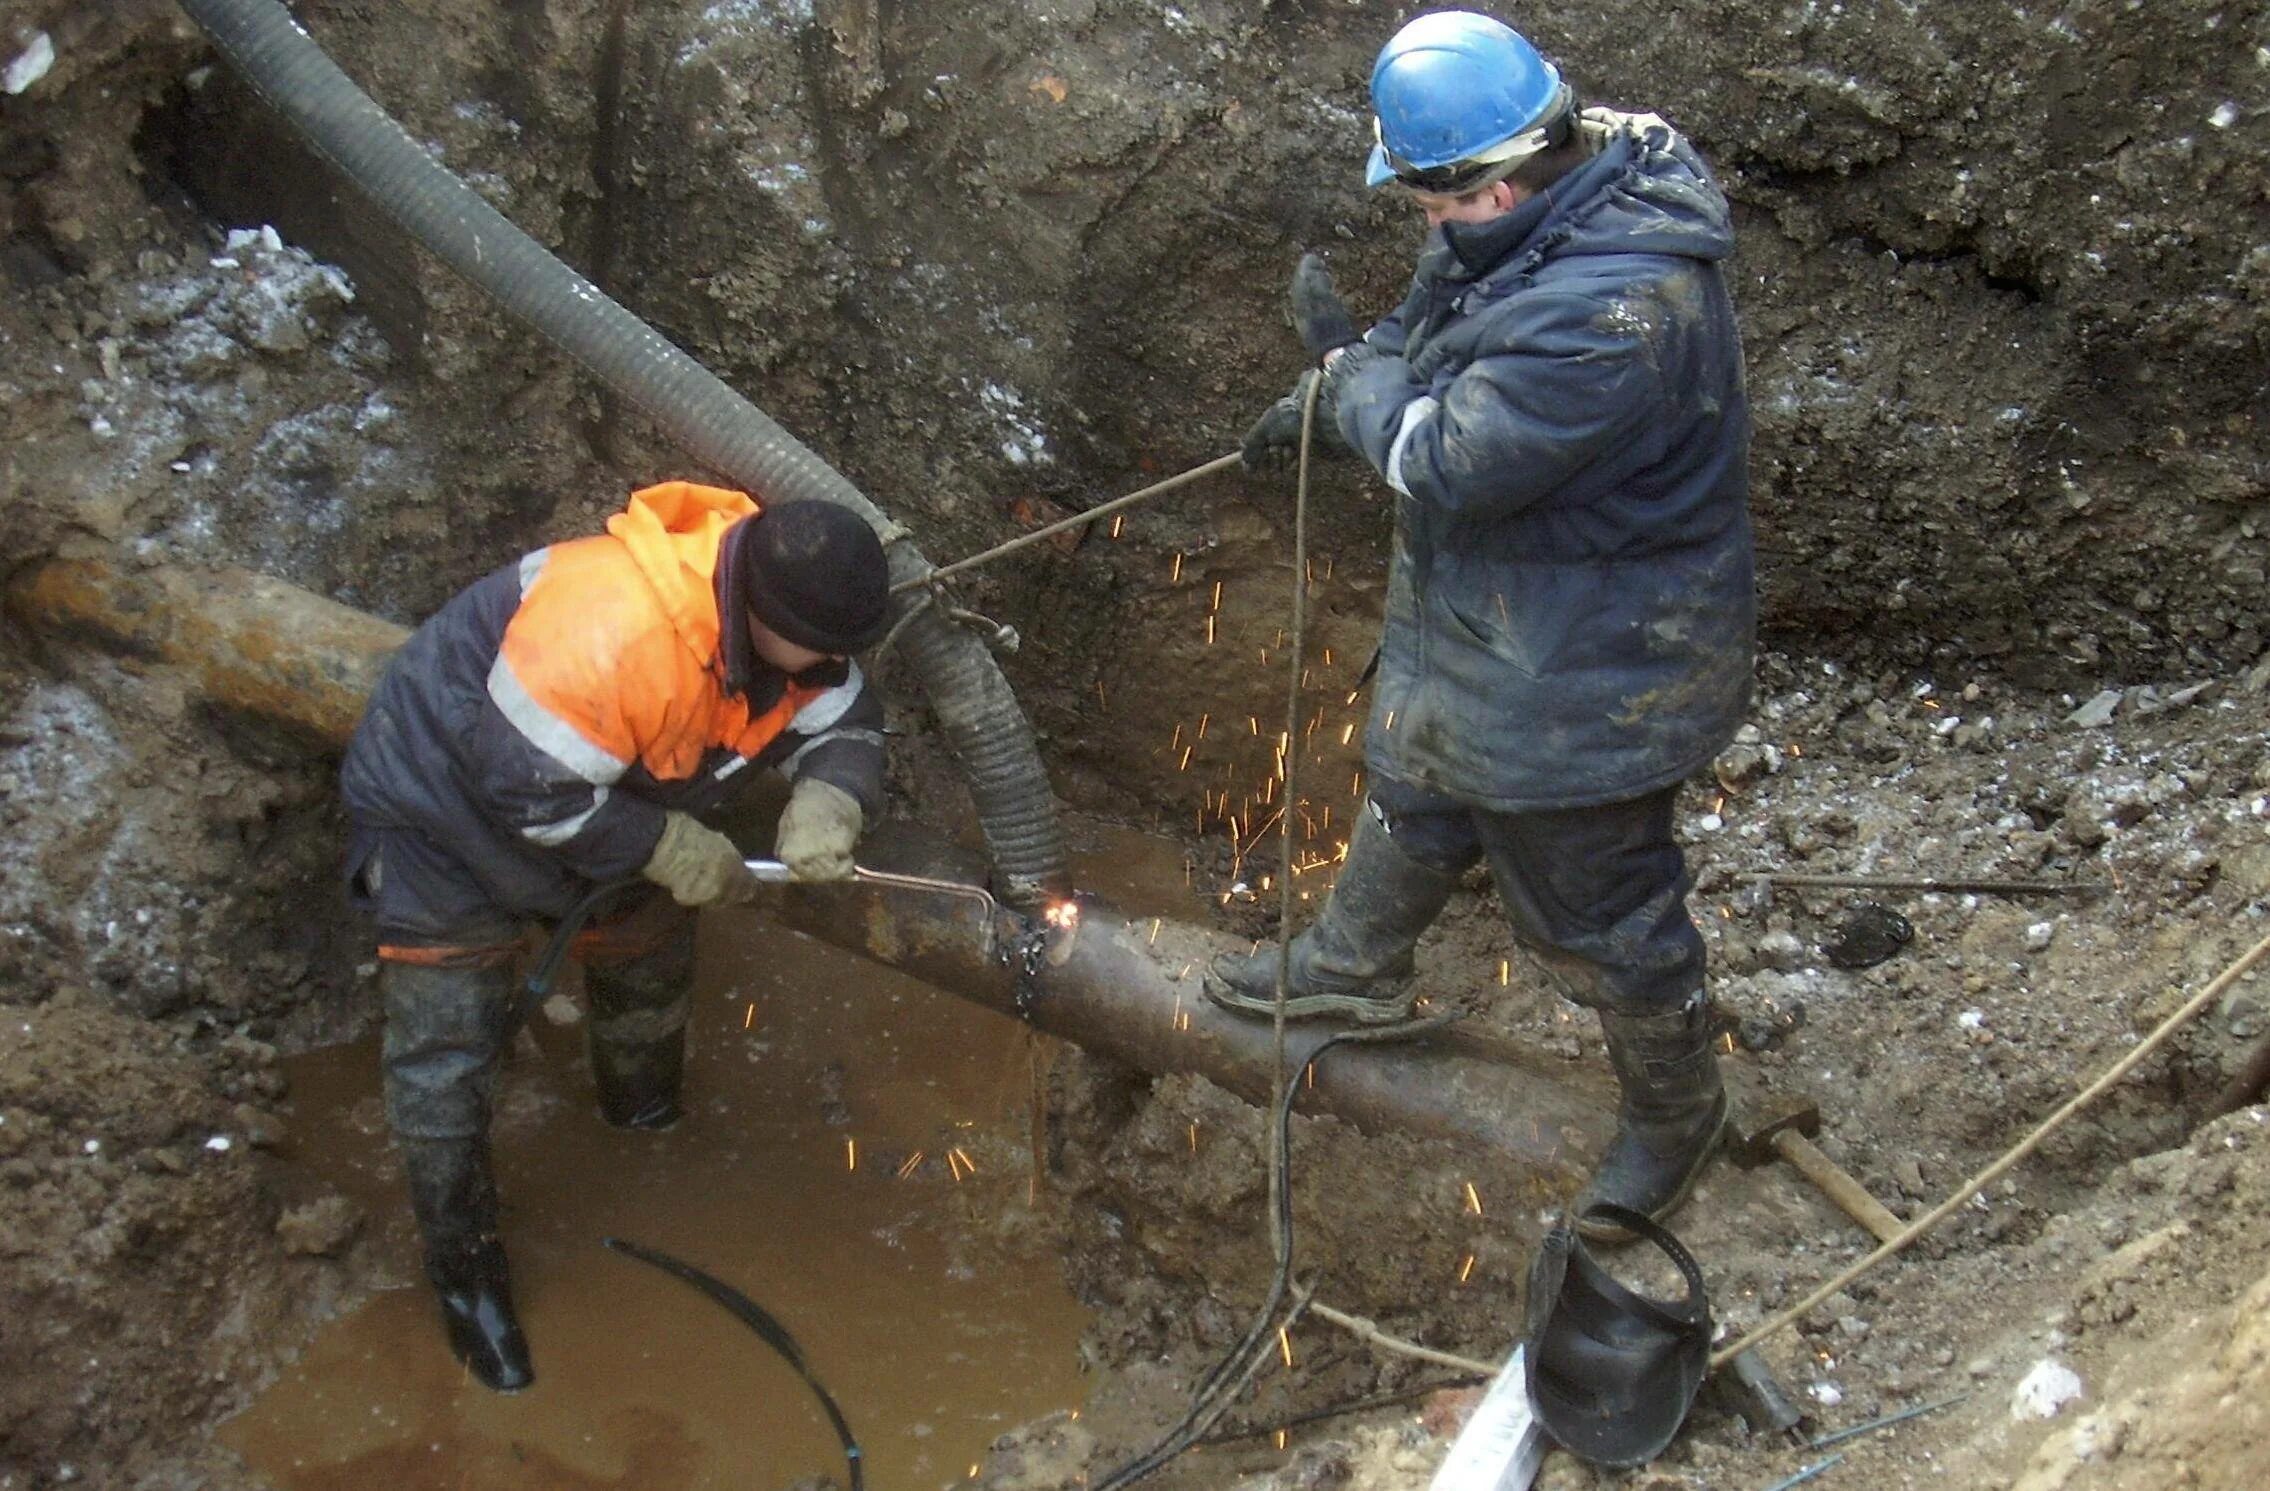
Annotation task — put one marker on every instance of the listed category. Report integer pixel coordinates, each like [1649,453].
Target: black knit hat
[815,573]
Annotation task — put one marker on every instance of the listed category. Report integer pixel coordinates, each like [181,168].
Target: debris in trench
[1868,935]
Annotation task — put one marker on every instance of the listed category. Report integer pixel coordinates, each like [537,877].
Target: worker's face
[782,653]
[1492,201]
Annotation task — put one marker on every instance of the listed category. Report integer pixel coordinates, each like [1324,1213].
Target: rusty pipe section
[255,645]
[1113,986]
[1116,987]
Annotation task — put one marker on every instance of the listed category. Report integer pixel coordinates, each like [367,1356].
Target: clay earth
[2005,281]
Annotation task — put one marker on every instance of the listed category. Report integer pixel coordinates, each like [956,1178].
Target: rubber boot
[456,1203]
[446,1025]
[638,1034]
[1671,1119]
[1349,961]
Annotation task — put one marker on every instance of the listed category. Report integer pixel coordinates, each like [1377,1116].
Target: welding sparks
[1209,631]
[1174,576]
[1185,766]
[1155,930]
[851,1154]
[1473,1199]
[1194,1138]
[1285,1345]
[1347,732]
[1101,702]
[1117,524]
[1280,1439]
[1217,596]
[1466,1269]
[913,1163]
[1063,915]
[967,1163]
[749,1015]
[1505,972]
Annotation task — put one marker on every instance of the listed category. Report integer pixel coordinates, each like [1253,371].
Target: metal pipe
[1107,983]
[1112,987]
[255,645]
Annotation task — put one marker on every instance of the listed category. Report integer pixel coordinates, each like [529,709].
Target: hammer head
[1754,1146]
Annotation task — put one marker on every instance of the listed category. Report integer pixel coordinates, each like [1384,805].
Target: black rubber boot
[1672,1116]
[456,1203]
[638,1034]
[1350,960]
[445,1029]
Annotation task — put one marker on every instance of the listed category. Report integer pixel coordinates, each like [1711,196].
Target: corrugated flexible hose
[976,710]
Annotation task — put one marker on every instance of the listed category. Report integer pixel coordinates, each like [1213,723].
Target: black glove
[1275,439]
[1323,322]
[1274,442]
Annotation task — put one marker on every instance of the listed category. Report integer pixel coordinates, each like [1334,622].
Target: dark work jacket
[537,728]
[1559,405]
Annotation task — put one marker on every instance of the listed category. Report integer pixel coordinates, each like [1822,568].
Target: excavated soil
[2007,301]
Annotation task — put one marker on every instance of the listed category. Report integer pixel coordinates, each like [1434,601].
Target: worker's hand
[698,866]
[1274,442]
[1275,438]
[1319,315]
[818,830]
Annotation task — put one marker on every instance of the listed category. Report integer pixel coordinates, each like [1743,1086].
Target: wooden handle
[1849,1195]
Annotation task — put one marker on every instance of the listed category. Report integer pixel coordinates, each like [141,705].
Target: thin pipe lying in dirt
[1113,986]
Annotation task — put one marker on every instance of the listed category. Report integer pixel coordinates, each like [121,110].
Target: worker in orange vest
[577,717]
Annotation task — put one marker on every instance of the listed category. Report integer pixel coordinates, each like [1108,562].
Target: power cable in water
[773,1333]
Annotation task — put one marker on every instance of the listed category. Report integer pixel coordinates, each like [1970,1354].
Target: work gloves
[1318,314]
[818,830]
[1325,327]
[698,866]
[1275,438]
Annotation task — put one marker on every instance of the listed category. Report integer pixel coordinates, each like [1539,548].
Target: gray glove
[818,830]
[1318,312]
[698,866]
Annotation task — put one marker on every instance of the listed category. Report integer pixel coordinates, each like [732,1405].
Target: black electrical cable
[774,1334]
[1231,1368]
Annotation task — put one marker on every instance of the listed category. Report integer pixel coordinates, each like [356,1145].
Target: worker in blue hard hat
[1558,406]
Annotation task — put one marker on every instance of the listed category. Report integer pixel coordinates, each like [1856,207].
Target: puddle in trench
[932,1307]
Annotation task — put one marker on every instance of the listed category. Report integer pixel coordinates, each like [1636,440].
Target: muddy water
[928,1302]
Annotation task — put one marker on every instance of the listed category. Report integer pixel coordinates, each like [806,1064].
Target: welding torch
[764,872]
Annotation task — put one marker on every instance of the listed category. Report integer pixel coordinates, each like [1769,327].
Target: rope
[2010,1157]
[1078,520]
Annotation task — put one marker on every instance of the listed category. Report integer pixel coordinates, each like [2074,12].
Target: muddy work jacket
[1558,405]
[540,724]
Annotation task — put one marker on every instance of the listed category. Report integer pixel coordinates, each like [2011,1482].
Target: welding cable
[1219,1388]
[1222,1385]
[556,947]
[977,712]
[773,1333]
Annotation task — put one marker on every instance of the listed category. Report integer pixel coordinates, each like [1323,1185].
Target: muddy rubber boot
[1671,1119]
[456,1203]
[638,1034]
[1349,962]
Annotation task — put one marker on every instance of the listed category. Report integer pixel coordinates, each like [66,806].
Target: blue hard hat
[1453,89]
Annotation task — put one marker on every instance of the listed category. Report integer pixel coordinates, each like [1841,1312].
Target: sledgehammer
[1789,1137]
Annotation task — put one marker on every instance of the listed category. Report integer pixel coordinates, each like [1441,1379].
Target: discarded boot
[455,1201]
[1349,962]
[1669,1124]
[638,1034]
